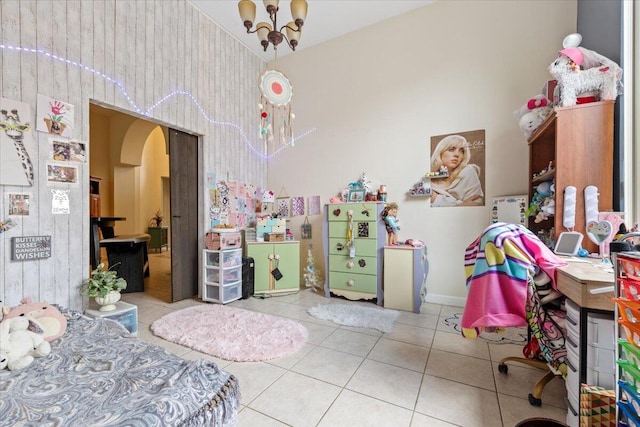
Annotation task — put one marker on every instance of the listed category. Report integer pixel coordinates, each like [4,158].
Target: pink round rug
[232,333]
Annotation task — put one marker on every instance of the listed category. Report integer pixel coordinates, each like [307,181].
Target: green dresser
[159,238]
[354,271]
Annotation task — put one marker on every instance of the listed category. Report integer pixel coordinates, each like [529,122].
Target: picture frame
[356,195]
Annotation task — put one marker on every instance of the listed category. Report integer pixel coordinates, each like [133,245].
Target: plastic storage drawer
[224,294]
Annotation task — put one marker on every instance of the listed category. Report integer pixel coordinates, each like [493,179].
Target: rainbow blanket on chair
[497,266]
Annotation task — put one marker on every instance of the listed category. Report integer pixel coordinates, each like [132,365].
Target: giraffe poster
[16,143]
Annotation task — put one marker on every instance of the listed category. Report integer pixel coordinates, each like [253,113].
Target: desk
[106,224]
[575,281]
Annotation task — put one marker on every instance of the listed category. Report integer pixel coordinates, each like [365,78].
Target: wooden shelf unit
[579,142]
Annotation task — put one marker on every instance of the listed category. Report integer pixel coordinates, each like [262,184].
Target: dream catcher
[276,117]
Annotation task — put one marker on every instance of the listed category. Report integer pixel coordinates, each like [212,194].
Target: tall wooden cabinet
[578,142]
[354,274]
[94,196]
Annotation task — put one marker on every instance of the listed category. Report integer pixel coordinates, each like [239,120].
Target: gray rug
[505,336]
[357,316]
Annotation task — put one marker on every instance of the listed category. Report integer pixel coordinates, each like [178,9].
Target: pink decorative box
[223,240]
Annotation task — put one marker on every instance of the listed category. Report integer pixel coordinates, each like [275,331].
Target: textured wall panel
[134,54]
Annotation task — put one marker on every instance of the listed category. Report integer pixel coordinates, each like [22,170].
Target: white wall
[135,56]
[377,95]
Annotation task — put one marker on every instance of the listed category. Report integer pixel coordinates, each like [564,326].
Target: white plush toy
[573,80]
[19,344]
[3,360]
[531,115]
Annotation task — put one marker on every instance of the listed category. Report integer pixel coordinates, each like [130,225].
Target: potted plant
[104,285]
[157,218]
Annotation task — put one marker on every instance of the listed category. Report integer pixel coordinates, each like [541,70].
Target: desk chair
[509,280]
[546,330]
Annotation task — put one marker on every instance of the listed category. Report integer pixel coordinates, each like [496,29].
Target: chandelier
[269,33]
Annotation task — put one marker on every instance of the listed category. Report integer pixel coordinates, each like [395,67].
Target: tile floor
[420,374]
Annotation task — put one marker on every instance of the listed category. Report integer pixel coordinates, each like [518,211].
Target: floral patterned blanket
[98,374]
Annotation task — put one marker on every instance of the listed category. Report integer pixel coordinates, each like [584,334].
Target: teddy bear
[19,344]
[532,114]
[45,316]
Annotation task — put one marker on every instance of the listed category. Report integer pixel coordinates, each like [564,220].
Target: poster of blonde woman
[457,169]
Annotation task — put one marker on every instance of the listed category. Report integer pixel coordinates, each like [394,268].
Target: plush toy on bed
[45,316]
[19,344]
[532,114]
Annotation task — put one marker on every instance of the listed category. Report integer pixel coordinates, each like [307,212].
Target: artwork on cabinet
[357,195]
[16,167]
[463,156]
[363,229]
[19,203]
[54,116]
[63,150]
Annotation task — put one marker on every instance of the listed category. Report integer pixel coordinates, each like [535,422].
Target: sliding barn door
[183,165]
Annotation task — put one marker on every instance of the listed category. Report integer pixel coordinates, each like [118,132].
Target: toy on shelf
[443,172]
[532,114]
[546,172]
[581,71]
[391,222]
[543,203]
[419,189]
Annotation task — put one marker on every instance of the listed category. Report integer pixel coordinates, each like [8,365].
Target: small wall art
[297,206]
[54,116]
[314,205]
[60,174]
[63,150]
[16,138]
[510,209]
[19,203]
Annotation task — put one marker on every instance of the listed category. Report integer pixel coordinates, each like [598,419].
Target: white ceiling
[326,19]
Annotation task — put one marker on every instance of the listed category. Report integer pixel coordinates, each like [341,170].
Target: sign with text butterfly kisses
[30,248]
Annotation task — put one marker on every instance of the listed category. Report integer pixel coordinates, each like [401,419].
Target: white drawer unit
[221,275]
[596,359]
[572,380]
[601,351]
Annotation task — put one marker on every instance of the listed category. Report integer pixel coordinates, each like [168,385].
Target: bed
[98,374]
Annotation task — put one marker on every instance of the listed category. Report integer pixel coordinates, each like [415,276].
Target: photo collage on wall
[55,118]
[239,205]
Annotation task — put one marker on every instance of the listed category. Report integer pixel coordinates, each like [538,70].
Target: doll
[389,215]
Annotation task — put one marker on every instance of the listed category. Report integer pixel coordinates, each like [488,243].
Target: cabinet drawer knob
[350,264]
[362,263]
[336,212]
[339,247]
[351,282]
